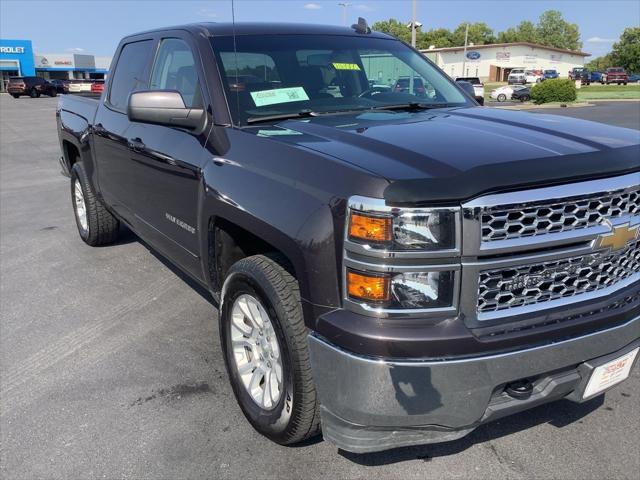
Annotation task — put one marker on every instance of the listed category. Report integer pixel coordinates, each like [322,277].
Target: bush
[554,90]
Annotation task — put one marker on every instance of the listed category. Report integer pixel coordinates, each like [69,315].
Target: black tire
[102,226]
[53,92]
[15,95]
[502,97]
[295,417]
[624,83]
[33,93]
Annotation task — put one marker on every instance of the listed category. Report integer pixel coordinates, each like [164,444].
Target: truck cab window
[129,74]
[175,69]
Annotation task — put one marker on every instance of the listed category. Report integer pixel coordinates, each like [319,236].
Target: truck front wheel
[96,225]
[263,338]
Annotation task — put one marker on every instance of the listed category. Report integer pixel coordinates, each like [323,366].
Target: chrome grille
[506,288]
[516,221]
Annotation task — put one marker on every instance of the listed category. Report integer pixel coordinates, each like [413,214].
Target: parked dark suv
[32,86]
[62,86]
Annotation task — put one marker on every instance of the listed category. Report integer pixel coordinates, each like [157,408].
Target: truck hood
[436,150]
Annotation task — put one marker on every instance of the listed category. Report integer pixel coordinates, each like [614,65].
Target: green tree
[626,52]
[553,30]
[479,34]
[526,31]
[395,28]
[600,64]
[438,37]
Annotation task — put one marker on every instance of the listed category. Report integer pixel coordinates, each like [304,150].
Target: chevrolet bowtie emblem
[619,237]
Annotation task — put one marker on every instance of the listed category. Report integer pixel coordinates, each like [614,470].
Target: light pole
[413,23]
[344,6]
[464,53]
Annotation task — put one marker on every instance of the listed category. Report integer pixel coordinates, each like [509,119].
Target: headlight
[422,290]
[401,262]
[404,229]
[424,231]
[409,290]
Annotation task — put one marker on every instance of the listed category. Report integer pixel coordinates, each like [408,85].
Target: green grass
[596,91]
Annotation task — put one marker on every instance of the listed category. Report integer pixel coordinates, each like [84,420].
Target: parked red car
[616,75]
[97,86]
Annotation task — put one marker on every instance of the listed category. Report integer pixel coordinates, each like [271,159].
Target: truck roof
[215,29]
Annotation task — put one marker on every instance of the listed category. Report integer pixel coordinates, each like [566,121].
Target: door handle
[136,144]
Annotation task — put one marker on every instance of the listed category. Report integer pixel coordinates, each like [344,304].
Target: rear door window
[130,72]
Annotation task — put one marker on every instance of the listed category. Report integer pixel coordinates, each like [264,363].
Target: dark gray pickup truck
[392,266]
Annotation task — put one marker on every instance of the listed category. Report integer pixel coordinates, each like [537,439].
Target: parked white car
[502,94]
[532,77]
[76,86]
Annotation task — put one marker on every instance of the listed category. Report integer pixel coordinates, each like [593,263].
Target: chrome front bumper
[370,404]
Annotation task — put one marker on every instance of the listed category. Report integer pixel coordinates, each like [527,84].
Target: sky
[95,27]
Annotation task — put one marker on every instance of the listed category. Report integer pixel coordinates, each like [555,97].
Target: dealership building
[17,58]
[493,62]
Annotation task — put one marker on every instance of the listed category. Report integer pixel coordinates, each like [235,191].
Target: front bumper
[371,404]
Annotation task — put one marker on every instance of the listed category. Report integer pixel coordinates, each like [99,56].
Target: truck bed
[83,106]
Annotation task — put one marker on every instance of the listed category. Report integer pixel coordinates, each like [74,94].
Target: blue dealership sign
[18,52]
[473,55]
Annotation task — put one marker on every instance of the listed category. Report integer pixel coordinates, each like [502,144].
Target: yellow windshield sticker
[346,66]
[279,95]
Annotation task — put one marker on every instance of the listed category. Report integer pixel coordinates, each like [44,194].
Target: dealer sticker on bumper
[610,373]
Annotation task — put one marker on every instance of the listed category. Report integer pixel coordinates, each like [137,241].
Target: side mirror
[467,88]
[163,107]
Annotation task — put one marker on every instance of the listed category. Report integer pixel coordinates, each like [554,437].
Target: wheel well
[71,153]
[229,243]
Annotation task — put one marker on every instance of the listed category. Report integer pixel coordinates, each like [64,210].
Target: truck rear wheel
[264,342]
[96,225]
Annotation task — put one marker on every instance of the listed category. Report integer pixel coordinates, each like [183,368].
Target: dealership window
[129,74]
[175,69]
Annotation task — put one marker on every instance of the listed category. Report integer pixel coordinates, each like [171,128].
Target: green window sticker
[346,66]
[279,95]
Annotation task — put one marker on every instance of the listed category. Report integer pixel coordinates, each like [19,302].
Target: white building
[493,62]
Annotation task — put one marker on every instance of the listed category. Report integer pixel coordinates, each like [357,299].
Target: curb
[596,100]
[532,106]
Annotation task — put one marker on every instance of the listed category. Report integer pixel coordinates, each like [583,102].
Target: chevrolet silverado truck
[391,267]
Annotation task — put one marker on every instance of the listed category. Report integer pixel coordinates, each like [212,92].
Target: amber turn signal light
[367,227]
[366,287]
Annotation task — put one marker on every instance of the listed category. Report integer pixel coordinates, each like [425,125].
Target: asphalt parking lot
[111,367]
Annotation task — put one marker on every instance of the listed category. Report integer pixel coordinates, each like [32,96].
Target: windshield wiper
[413,106]
[282,116]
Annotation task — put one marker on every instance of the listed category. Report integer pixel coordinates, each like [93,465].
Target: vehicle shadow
[125,235]
[128,236]
[559,414]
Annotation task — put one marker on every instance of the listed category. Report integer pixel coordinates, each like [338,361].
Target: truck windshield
[273,75]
